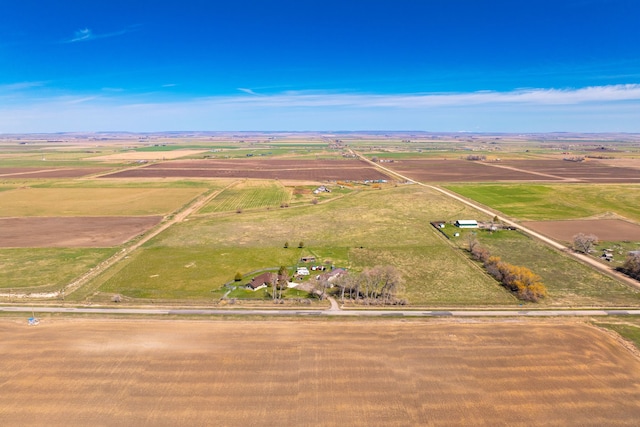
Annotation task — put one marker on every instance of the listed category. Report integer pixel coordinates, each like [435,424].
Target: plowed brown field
[338,373]
[612,230]
[304,170]
[430,170]
[72,232]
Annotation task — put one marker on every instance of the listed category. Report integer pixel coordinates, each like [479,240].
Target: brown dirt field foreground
[358,373]
[305,170]
[72,232]
[606,229]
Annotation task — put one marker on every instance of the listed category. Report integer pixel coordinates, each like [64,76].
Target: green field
[249,195]
[627,327]
[569,282]
[538,202]
[23,202]
[361,229]
[42,270]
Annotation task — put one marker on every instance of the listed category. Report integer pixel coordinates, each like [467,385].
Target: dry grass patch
[93,202]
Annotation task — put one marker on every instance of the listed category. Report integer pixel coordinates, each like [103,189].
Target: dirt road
[580,257]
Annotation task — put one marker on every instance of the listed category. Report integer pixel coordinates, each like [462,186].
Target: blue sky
[448,65]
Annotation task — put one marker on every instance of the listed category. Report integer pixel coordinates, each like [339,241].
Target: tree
[301,245]
[343,282]
[283,280]
[380,284]
[584,242]
[238,277]
[286,245]
[472,241]
[480,253]
[631,266]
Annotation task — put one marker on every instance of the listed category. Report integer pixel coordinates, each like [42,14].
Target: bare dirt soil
[431,170]
[613,230]
[589,170]
[306,170]
[460,171]
[49,172]
[72,232]
[332,373]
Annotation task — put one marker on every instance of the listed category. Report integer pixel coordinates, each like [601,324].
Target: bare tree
[472,241]
[380,284]
[283,280]
[272,281]
[343,282]
[584,242]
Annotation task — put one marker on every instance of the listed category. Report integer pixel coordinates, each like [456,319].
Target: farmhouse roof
[263,279]
[332,275]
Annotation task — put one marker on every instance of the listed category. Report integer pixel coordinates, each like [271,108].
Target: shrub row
[525,284]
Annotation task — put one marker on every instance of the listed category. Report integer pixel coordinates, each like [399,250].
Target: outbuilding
[466,223]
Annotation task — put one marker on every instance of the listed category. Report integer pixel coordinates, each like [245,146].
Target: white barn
[466,223]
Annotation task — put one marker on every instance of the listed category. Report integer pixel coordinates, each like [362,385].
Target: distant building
[466,223]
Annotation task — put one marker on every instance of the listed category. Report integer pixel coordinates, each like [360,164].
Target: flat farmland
[303,372]
[367,228]
[72,232]
[46,269]
[612,230]
[303,170]
[249,195]
[432,170]
[539,202]
[48,172]
[148,155]
[31,201]
[589,170]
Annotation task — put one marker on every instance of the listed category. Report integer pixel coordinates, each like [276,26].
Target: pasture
[568,282]
[46,269]
[358,230]
[315,372]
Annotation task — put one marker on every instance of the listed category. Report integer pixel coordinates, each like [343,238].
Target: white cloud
[590,109]
[86,34]
[249,91]
[18,87]
[82,35]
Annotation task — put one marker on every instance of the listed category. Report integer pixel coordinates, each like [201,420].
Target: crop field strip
[22,202]
[49,172]
[305,170]
[315,372]
[252,195]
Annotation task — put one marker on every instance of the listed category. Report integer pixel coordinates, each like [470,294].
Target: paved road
[327,313]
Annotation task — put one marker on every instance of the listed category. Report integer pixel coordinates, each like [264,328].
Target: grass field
[249,194]
[627,327]
[361,229]
[555,201]
[42,270]
[94,202]
[569,282]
